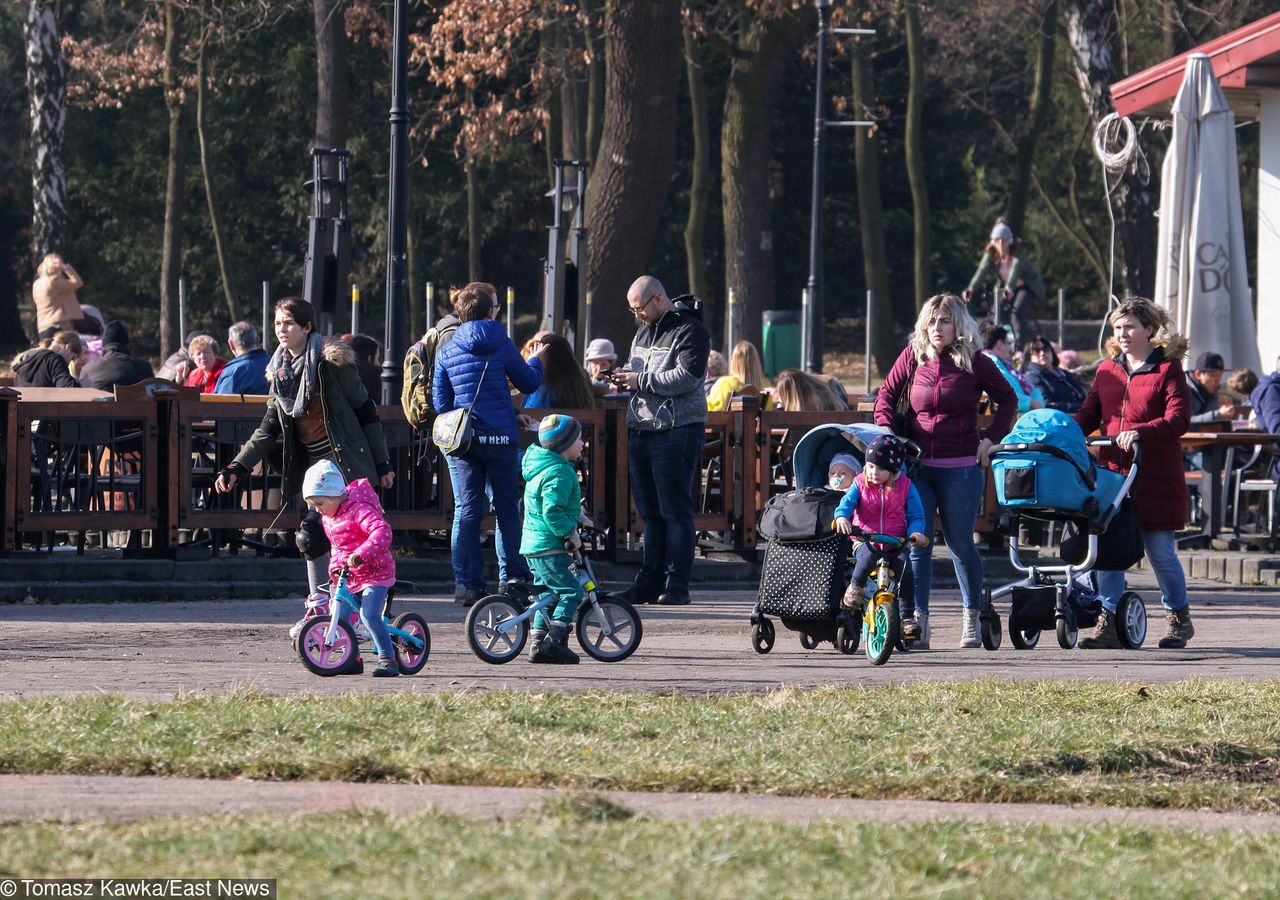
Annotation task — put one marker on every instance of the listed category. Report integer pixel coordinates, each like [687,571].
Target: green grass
[569,851]
[1185,745]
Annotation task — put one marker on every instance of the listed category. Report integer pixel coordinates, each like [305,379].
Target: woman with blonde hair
[54,294]
[206,364]
[934,387]
[796,390]
[745,372]
[1140,396]
[48,364]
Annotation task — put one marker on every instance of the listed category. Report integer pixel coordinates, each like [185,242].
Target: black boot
[537,638]
[555,649]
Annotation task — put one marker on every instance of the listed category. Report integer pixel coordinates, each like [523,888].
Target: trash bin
[781,348]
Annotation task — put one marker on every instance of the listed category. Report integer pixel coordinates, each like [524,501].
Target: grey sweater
[671,358]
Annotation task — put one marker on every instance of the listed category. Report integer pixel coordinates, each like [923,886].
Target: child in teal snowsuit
[552,511]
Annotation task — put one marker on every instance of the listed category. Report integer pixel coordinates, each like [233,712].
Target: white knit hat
[324,479]
[1001,231]
[600,348]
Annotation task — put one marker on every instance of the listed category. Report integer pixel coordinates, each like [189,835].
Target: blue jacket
[459,365]
[1060,388]
[1265,400]
[245,374]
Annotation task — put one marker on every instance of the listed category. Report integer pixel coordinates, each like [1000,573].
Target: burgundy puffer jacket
[944,403]
[1153,401]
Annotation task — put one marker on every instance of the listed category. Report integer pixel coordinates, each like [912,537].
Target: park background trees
[188,126]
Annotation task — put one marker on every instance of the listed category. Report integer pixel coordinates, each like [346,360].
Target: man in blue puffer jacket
[473,368]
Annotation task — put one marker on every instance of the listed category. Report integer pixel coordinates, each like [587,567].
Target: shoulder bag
[452,431]
[902,409]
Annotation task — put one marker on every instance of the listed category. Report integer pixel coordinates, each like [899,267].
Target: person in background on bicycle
[359,538]
[882,500]
[552,513]
[1022,285]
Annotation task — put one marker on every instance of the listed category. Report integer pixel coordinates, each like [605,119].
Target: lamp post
[811,351]
[394,344]
[567,203]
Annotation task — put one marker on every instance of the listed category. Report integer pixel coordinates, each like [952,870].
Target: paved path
[113,797]
[159,649]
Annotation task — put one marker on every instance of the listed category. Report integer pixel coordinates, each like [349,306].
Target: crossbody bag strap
[479,384]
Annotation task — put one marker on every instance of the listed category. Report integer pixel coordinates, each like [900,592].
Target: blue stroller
[806,565]
[1043,471]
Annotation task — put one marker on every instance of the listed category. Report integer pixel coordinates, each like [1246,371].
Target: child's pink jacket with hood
[359,527]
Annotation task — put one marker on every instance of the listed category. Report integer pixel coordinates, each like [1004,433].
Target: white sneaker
[969,637]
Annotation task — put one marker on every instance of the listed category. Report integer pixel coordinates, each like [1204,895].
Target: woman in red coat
[1140,395]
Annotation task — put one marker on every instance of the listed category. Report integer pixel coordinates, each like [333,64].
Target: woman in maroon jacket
[1140,395]
[946,376]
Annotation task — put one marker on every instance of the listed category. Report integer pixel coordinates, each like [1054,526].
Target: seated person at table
[1240,385]
[1265,400]
[117,365]
[207,364]
[48,364]
[247,372]
[1204,382]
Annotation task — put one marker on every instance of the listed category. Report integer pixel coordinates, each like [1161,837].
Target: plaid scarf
[293,379]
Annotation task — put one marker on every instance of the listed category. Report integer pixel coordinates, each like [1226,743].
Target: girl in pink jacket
[360,538]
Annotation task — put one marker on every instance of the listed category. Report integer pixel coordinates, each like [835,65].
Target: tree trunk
[215,217]
[875,261]
[700,188]
[745,154]
[475,264]
[1040,99]
[332,117]
[595,82]
[1093,55]
[628,189]
[47,92]
[915,152]
[175,189]
[572,104]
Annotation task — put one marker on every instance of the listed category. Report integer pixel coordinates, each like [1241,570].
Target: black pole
[395,342]
[813,352]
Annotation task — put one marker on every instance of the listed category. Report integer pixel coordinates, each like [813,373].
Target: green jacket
[350,417]
[552,500]
[1022,269]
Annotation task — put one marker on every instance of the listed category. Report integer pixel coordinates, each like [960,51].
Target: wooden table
[1218,467]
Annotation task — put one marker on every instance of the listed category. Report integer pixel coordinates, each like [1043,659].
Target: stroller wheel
[1023,639]
[1131,620]
[762,635]
[848,632]
[989,629]
[1067,633]
[808,641]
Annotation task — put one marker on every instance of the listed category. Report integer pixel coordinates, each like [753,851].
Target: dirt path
[160,649]
[76,798]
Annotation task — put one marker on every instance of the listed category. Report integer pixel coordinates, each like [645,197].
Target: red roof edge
[1228,54]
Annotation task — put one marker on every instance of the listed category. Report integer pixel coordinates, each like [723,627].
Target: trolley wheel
[609,631]
[1131,620]
[1067,632]
[989,629]
[882,634]
[1023,638]
[487,641]
[808,641]
[327,660]
[848,630]
[410,655]
[762,635]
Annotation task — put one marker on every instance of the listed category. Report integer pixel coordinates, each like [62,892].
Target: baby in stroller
[881,500]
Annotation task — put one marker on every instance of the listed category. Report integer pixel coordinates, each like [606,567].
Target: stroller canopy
[814,451]
[1055,428]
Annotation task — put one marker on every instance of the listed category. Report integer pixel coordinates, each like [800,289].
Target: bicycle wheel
[880,635]
[412,658]
[327,659]
[609,631]
[489,642]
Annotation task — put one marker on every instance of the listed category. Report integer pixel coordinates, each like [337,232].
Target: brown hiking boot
[852,599]
[1105,636]
[1179,629]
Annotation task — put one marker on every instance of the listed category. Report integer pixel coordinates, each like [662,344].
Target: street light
[811,349]
[395,342]
[566,204]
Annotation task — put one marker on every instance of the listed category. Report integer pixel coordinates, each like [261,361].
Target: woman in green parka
[319,409]
[1022,285]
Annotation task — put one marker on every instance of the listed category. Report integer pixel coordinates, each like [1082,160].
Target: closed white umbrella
[1201,275]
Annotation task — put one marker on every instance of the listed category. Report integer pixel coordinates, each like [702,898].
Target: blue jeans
[956,495]
[662,465]
[371,600]
[500,538]
[1162,552]
[486,466]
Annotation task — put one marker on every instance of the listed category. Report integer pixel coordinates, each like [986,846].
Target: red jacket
[944,403]
[1154,402]
[206,381]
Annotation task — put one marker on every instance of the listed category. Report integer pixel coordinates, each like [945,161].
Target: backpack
[802,515]
[419,368]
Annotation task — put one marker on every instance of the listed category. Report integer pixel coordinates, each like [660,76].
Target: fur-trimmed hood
[337,353]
